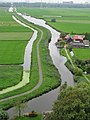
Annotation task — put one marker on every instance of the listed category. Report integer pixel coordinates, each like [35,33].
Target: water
[45,102]
[57,59]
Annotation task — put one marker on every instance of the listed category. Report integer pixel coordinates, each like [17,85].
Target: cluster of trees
[83,64]
[53,5]
[73,103]
[46,5]
[3,115]
[5,4]
[87,36]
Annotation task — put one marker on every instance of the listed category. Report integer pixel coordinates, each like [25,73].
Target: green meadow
[12,52]
[13,40]
[76,20]
[82,53]
[78,28]
[55,12]
[15,36]
[10,75]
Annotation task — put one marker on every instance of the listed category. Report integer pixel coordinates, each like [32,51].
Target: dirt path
[40,74]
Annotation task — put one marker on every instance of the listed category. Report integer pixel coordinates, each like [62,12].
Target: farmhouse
[78,38]
[68,38]
[77,41]
[75,38]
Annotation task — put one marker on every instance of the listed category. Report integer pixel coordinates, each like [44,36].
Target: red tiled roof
[78,37]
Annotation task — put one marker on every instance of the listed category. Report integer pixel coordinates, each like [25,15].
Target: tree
[72,104]
[62,43]
[19,107]
[78,71]
[3,115]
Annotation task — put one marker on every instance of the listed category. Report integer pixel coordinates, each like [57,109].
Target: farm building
[77,41]
[77,44]
[68,38]
[79,38]
[83,44]
[86,43]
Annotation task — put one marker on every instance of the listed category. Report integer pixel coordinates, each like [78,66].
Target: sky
[75,1]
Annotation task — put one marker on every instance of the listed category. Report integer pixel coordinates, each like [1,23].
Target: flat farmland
[68,27]
[82,53]
[12,52]
[10,75]
[64,12]
[76,20]
[15,36]
[13,40]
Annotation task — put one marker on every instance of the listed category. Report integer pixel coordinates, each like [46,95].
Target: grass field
[65,12]
[9,76]
[70,27]
[12,52]
[76,20]
[15,35]
[13,40]
[82,53]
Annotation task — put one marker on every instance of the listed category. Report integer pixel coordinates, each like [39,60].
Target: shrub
[79,78]
[62,43]
[63,34]
[53,20]
[3,115]
[31,114]
[77,71]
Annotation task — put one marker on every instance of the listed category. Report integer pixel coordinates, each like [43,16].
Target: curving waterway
[45,102]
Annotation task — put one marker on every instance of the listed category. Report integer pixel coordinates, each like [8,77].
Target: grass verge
[39,117]
[10,76]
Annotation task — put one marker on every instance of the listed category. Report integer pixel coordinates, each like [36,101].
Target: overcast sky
[75,1]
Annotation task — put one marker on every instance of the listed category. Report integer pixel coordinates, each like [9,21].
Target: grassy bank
[39,117]
[10,76]
[82,53]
